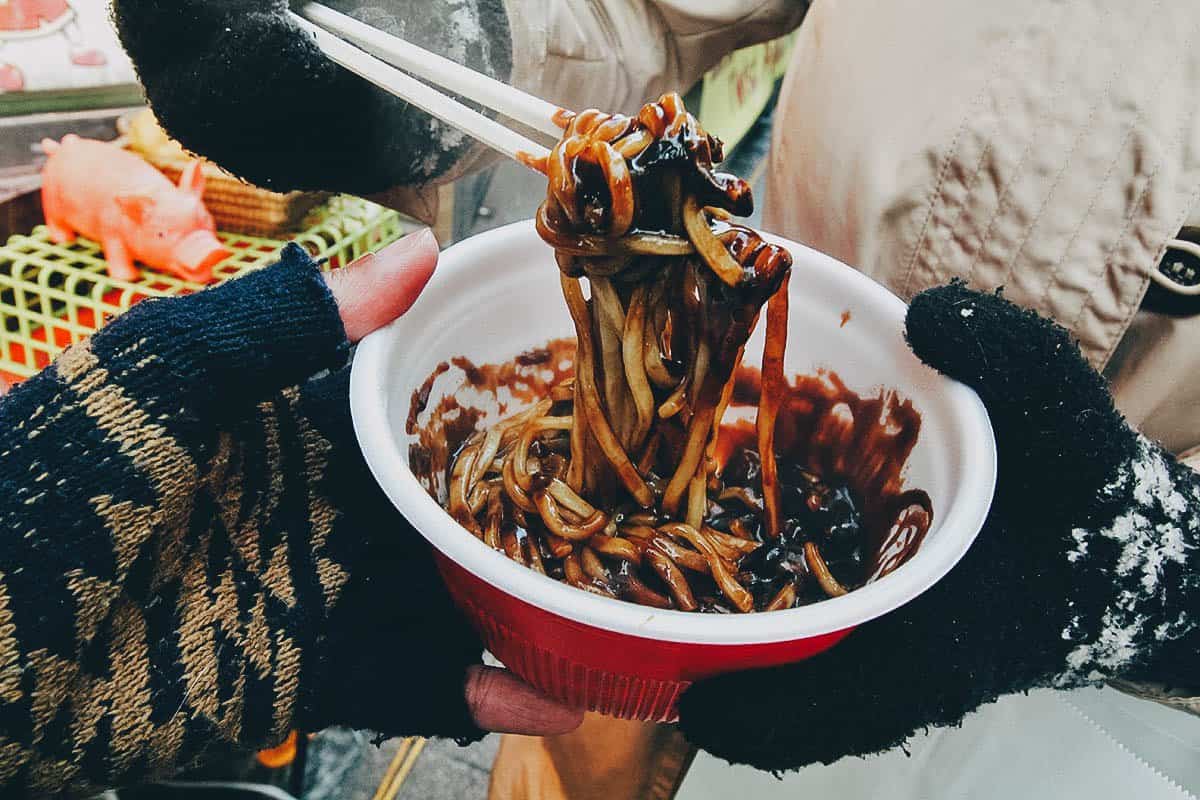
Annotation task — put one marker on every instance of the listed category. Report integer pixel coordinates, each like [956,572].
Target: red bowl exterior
[613,673]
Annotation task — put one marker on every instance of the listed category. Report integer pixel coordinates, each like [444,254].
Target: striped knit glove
[195,552]
[1086,571]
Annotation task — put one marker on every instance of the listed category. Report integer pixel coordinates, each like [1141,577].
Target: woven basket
[236,206]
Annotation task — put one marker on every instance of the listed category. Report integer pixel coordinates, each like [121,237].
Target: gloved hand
[1087,569]
[239,83]
[196,552]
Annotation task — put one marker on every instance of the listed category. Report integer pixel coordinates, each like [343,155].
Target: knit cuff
[241,341]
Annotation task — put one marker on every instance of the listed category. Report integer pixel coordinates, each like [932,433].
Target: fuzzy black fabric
[1086,570]
[397,648]
[195,555]
[237,82]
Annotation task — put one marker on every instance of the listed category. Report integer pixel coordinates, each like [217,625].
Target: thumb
[380,287]
[500,702]
[1050,410]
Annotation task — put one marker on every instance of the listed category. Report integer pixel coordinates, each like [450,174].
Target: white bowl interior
[497,294]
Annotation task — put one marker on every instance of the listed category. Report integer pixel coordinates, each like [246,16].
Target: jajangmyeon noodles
[613,481]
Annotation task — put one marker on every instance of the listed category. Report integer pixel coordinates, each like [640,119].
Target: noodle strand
[611,479]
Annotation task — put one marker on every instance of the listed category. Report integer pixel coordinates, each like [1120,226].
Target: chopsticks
[347,41]
[532,111]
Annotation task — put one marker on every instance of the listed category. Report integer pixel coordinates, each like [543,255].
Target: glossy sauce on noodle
[841,456]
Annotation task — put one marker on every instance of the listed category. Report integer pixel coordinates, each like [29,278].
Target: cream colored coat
[1048,147]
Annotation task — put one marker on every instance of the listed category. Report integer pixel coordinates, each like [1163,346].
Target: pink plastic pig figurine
[130,208]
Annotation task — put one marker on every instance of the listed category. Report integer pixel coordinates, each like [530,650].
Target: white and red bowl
[497,295]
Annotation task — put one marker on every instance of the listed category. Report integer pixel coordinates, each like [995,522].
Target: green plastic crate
[52,296]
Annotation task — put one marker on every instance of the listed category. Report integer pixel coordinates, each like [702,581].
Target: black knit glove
[194,552]
[237,82]
[1087,568]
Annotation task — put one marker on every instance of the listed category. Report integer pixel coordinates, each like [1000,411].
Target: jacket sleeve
[617,54]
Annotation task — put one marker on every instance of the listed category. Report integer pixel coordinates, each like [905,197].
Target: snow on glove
[1086,570]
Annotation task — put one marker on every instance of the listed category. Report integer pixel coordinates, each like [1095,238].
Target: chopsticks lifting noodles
[326,26]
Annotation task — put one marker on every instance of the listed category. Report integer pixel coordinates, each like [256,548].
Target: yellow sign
[737,90]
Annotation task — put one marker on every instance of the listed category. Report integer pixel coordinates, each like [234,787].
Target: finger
[380,287]
[1052,413]
[500,702]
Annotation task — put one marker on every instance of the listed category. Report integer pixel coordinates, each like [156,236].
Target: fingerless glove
[194,552]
